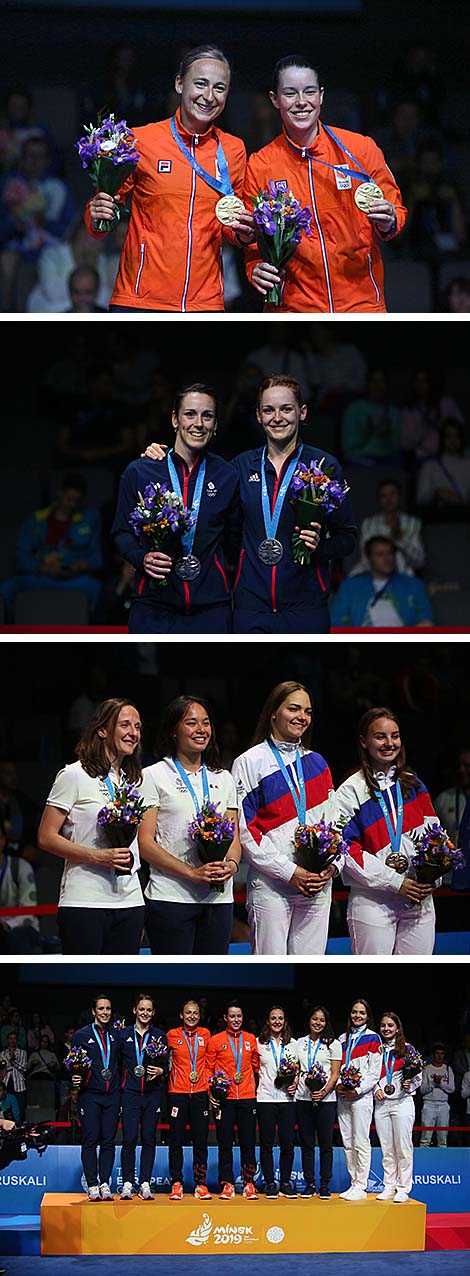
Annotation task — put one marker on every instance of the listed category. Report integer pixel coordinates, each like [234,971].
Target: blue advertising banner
[441,1176]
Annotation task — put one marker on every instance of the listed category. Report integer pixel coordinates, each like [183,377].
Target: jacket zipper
[190,231]
[141,267]
[371,273]
[320,232]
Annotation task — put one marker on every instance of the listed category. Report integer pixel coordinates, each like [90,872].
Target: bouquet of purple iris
[314,494]
[108,154]
[350,1077]
[286,1074]
[159,515]
[118,1024]
[157,1052]
[213,834]
[318,845]
[315,1078]
[77,1061]
[219,1085]
[280,222]
[435,854]
[120,818]
[412,1062]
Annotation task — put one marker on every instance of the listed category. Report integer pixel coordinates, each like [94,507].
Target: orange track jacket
[220,1056]
[181,1066]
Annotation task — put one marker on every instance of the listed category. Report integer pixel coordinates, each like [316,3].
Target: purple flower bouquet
[157,1053]
[120,818]
[219,1085]
[286,1074]
[412,1062]
[350,1077]
[435,854]
[314,495]
[108,154]
[118,1024]
[315,1079]
[78,1062]
[159,515]
[213,834]
[280,222]
[318,845]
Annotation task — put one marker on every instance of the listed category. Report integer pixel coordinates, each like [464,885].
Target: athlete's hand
[406,1085]
[382,215]
[209,874]
[152,1072]
[379,1094]
[306,883]
[102,208]
[414,891]
[345,1092]
[244,227]
[155,451]
[310,535]
[265,277]
[157,565]
[76,1080]
[113,857]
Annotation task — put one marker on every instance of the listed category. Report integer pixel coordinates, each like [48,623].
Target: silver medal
[188,567]
[270,551]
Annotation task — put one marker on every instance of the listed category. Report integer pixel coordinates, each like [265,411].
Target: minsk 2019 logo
[227,1235]
[200,1235]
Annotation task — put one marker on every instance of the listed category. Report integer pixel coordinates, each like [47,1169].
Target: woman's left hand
[224,870]
[153,1072]
[244,228]
[382,215]
[155,451]
[310,535]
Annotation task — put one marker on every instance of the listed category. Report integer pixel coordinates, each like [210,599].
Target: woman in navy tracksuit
[141,1095]
[99,1099]
[195,593]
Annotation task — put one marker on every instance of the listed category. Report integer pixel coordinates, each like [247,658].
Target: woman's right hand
[306,883]
[206,874]
[113,857]
[379,1094]
[102,208]
[414,891]
[264,277]
[157,565]
[155,452]
[76,1080]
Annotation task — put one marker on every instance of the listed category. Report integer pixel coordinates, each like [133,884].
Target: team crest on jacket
[282,185]
[164,166]
[343,181]
[211,489]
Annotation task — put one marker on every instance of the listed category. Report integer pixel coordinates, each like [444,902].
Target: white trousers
[409,932]
[434,1114]
[354,1117]
[394,1124]
[279,926]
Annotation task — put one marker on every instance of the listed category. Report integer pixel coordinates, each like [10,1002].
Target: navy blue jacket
[261,587]
[218,531]
[128,1061]
[95,1082]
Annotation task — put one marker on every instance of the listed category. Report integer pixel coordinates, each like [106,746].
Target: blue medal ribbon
[222,185]
[352,1043]
[297,794]
[312,1054]
[192,1052]
[105,1052]
[237,1054]
[282,1053]
[138,1051]
[188,538]
[186,780]
[394,834]
[389,1053]
[358,173]
[271,520]
[110,787]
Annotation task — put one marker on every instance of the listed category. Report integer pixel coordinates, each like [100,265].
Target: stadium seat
[447,552]
[408,287]
[51,607]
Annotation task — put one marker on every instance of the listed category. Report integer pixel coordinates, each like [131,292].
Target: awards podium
[70,1224]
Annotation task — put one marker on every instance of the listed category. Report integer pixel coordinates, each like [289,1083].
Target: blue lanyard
[312,1054]
[389,1053]
[105,1052]
[223,186]
[352,1043]
[271,521]
[394,834]
[187,539]
[282,1053]
[299,797]
[338,168]
[237,1054]
[140,1052]
[186,780]
[192,1052]
[110,787]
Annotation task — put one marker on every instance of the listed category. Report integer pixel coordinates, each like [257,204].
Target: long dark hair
[370,1016]
[282,692]
[400,1043]
[92,748]
[408,778]
[265,1034]
[173,715]
[328,1034]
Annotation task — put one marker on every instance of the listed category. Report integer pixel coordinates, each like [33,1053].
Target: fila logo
[164,166]
[254,478]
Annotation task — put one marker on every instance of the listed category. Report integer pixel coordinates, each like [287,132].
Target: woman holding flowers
[101,907]
[181,580]
[143,1055]
[96,1078]
[319,1055]
[342,179]
[190,836]
[186,188]
[277,1084]
[360,1073]
[400,1077]
[386,807]
[285,794]
[188,1099]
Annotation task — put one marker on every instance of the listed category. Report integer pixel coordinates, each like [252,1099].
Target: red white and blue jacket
[366,832]
[268,817]
[397,1073]
[217,532]
[265,588]
[366,1054]
[128,1061]
[94,1082]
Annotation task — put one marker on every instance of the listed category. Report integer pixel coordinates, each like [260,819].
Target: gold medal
[366,194]
[193,1077]
[228,209]
[238,1077]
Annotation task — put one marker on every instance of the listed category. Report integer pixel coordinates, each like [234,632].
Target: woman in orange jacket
[338,266]
[186,192]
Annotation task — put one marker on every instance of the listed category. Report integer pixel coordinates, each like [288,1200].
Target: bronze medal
[389,1089]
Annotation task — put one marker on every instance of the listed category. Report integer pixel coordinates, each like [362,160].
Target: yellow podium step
[73,1225]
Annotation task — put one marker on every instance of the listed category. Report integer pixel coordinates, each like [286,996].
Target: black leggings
[281,1115]
[239,1114]
[192,1110]
[100,930]
[316,1119]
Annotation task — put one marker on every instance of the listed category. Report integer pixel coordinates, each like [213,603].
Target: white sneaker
[105,1192]
[94,1193]
[126,1194]
[387,1194]
[145,1192]
[400,1196]
[344,1196]
[356,1194]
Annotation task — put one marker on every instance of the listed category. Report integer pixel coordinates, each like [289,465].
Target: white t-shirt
[267,1092]
[80,796]
[324,1056]
[163,787]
